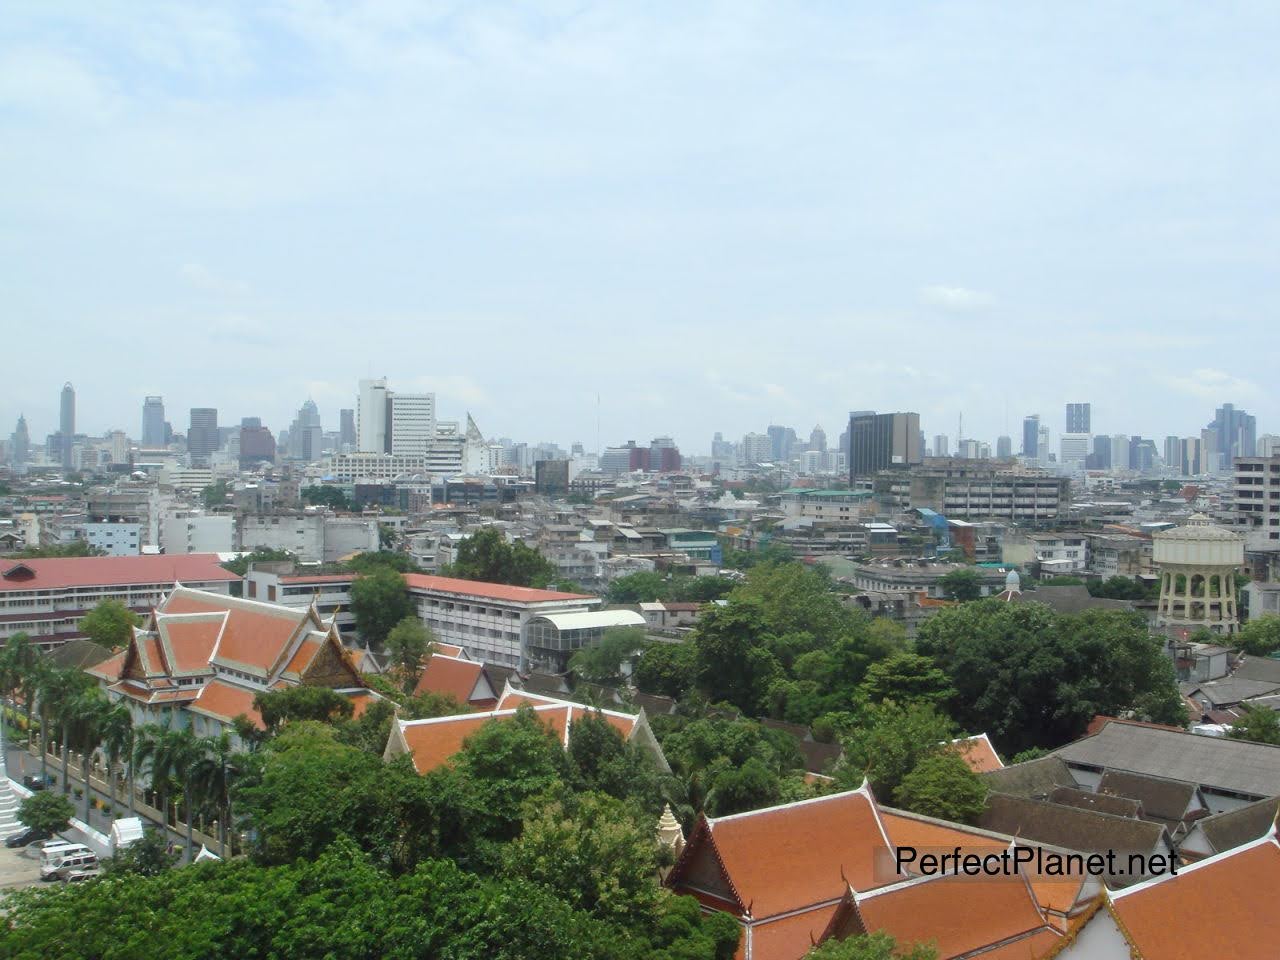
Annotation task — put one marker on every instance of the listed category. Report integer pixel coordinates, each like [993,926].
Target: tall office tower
[1142,454]
[1004,447]
[413,422]
[67,424]
[664,455]
[202,435]
[257,445]
[1031,436]
[1121,458]
[941,446]
[1235,433]
[373,417]
[153,422]
[1268,445]
[1172,453]
[20,442]
[306,436]
[1192,459]
[1078,418]
[818,439]
[1074,451]
[346,430]
[756,448]
[878,441]
[1100,456]
[779,448]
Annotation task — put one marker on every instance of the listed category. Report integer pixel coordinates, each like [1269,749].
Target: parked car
[38,781]
[79,876]
[29,835]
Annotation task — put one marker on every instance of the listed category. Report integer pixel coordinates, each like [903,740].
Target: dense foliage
[1260,636]
[379,600]
[486,555]
[240,565]
[648,586]
[110,623]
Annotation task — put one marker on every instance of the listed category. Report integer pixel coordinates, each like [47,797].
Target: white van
[65,861]
[53,849]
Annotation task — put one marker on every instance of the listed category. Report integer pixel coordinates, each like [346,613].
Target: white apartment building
[1073,451]
[1060,554]
[310,535]
[192,531]
[413,423]
[1256,502]
[372,420]
[114,539]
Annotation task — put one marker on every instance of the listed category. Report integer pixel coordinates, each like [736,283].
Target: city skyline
[712,218]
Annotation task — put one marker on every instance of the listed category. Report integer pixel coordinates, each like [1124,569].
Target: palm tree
[212,775]
[60,689]
[117,742]
[90,711]
[169,754]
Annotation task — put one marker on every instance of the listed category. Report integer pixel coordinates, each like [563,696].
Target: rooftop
[60,573]
[488,591]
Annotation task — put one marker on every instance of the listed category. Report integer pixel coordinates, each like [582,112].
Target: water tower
[1197,563]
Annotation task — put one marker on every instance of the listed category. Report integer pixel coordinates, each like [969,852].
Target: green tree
[643,586]
[240,565]
[170,756]
[906,678]
[1259,724]
[598,759]
[61,707]
[1260,636]
[487,556]
[46,810]
[890,742]
[110,623]
[602,662]
[300,703]
[870,946]
[1124,588]
[665,668]
[963,584]
[942,785]
[748,787]
[593,853]
[76,548]
[116,732]
[215,494]
[732,661]
[408,643]
[371,560]
[148,856]
[323,495]
[379,600]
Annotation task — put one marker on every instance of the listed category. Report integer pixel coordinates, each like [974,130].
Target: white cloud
[1212,385]
[959,299]
[203,278]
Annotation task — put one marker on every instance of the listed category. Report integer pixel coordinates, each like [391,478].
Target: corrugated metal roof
[594,618]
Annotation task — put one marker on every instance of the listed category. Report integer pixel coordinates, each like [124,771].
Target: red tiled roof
[624,723]
[449,675]
[320,578]
[256,633]
[789,937]
[191,642]
[798,855]
[959,915]
[1223,906]
[978,753]
[55,573]
[489,591]
[109,669]
[225,701]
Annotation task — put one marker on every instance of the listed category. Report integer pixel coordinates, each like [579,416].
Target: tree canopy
[240,565]
[379,600]
[110,623]
[602,662]
[486,555]
[1260,636]
[46,810]
[324,495]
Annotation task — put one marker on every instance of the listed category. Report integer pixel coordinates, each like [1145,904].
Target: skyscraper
[20,442]
[202,435]
[1078,418]
[1004,447]
[257,445]
[941,446]
[305,433]
[412,423]
[373,419]
[153,422]
[1234,434]
[1031,436]
[347,430]
[67,424]
[878,441]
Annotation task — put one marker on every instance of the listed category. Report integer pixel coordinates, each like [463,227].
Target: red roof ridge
[1267,838]
[864,789]
[558,702]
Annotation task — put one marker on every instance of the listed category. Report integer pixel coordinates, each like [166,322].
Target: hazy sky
[713,216]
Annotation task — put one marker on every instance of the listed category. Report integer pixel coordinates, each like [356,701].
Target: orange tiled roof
[189,642]
[109,669]
[255,635]
[449,650]
[788,937]
[624,723]
[450,675]
[489,591]
[959,915]
[225,701]
[979,754]
[801,854]
[1223,906]
[59,573]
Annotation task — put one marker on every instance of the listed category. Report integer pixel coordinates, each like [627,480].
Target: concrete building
[346,431]
[194,531]
[878,441]
[67,423]
[1030,437]
[920,577]
[306,435]
[1004,448]
[257,445]
[47,598]
[373,417]
[975,490]
[1197,563]
[300,533]
[1074,451]
[1079,418]
[1256,502]
[153,433]
[413,423]
[118,539]
[1060,554]
[1233,434]
[941,446]
[839,506]
[756,448]
[20,443]
[202,435]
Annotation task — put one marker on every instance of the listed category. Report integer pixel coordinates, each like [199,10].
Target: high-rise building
[1120,452]
[1100,456]
[1142,454]
[941,445]
[781,440]
[1004,447]
[1078,418]
[878,441]
[347,431]
[153,422]
[756,448]
[1256,504]
[20,443]
[818,439]
[664,455]
[1031,436]
[1074,451]
[67,424]
[1191,461]
[412,423]
[373,417]
[257,445]
[306,436]
[202,435]
[1234,433]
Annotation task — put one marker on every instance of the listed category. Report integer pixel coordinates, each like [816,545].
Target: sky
[627,220]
